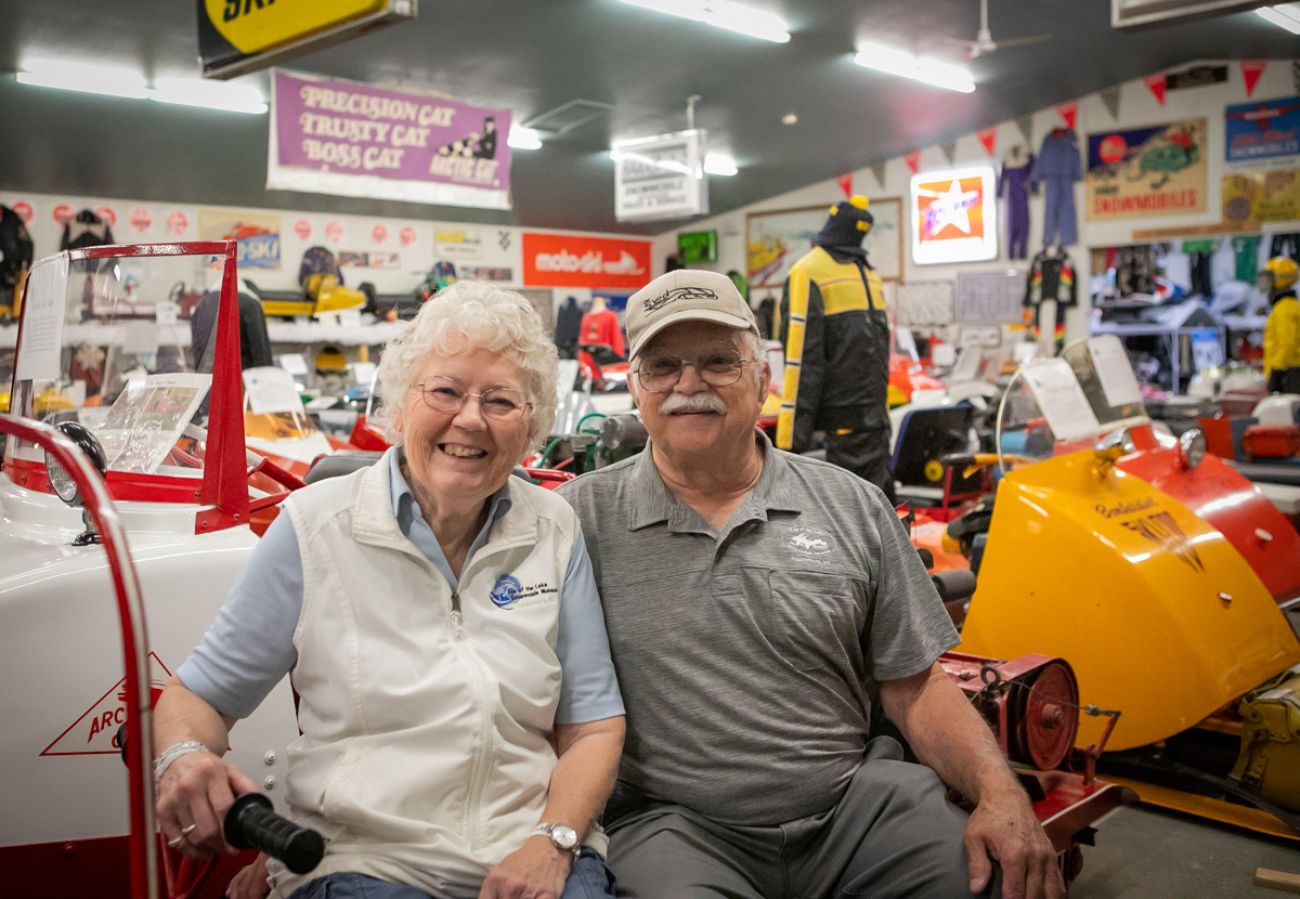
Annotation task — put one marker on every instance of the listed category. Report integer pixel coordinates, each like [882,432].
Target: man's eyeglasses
[660,373]
[448,395]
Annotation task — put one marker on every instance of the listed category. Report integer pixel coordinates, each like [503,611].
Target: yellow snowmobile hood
[1159,616]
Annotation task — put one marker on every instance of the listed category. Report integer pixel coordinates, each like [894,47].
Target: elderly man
[756,603]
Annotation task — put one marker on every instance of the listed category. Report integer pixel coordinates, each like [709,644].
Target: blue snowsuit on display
[1014,184]
[1057,167]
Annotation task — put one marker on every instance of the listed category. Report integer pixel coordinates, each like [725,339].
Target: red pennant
[1156,84]
[1251,69]
[1069,112]
[989,138]
[845,182]
[913,160]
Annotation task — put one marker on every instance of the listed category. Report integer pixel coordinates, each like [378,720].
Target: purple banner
[335,136]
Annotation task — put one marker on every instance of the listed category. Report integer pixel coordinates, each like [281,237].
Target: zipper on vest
[456,619]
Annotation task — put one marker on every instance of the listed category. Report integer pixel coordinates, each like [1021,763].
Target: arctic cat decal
[95,731]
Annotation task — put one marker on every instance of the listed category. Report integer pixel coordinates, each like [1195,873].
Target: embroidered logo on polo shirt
[808,542]
[506,592]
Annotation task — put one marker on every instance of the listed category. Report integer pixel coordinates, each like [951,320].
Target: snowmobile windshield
[1102,367]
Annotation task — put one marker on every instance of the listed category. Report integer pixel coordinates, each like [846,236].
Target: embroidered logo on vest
[505,593]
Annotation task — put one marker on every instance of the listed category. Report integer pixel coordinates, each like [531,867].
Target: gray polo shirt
[745,654]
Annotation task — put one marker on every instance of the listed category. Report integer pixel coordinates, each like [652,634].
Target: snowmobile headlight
[1192,446]
[63,484]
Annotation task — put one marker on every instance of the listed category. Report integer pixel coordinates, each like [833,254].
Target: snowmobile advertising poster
[1157,170]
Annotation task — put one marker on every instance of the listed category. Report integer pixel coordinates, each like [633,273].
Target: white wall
[1137,107]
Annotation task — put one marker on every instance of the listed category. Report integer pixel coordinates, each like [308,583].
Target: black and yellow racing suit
[836,334]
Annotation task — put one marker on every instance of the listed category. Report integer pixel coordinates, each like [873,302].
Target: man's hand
[1003,827]
[537,870]
[250,882]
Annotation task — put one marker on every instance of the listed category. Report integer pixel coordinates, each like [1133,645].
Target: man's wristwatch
[564,837]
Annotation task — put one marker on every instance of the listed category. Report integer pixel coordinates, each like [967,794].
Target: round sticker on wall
[177,223]
[107,214]
[24,211]
[141,220]
[334,232]
[62,214]
[408,236]
[302,228]
[379,234]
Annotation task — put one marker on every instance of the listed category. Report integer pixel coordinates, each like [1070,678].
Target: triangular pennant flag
[878,169]
[845,182]
[1110,99]
[949,148]
[1156,84]
[1069,112]
[1251,69]
[913,160]
[989,138]
[1026,125]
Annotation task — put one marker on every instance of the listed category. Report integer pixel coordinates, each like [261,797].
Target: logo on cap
[679,293]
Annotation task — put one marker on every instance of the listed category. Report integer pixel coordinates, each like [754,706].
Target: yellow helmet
[1285,272]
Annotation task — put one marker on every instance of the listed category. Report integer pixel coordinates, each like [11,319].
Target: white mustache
[693,402]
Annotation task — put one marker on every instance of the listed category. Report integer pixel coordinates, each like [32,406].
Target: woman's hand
[537,870]
[193,797]
[250,882]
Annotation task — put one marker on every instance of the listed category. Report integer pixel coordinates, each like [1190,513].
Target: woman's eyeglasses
[448,395]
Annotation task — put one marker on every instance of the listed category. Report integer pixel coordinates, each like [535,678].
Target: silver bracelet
[172,753]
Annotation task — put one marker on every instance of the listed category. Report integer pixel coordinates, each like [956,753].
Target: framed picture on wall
[776,239]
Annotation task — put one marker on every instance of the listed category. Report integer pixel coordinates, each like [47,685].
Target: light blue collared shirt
[249,647]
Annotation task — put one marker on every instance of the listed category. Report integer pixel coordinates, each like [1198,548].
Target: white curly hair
[466,316]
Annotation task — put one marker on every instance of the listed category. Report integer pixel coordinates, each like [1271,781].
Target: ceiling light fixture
[790,118]
[736,17]
[1284,15]
[524,138]
[113,81]
[905,65]
[226,96]
[720,164]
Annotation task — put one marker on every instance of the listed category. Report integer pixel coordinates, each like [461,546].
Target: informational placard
[148,417]
[1061,399]
[238,36]
[990,298]
[954,215]
[270,389]
[40,355]
[1158,170]
[660,177]
[986,336]
[925,303]
[294,363]
[1265,129]
[1114,371]
[356,140]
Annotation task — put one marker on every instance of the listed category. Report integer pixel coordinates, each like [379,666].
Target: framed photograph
[776,239]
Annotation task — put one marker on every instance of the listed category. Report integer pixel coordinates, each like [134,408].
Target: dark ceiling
[533,55]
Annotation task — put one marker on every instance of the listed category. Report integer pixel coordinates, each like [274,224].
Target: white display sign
[294,364]
[1058,394]
[42,345]
[167,312]
[270,389]
[660,177]
[953,215]
[989,336]
[1114,371]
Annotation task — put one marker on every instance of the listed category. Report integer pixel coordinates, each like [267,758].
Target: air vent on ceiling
[567,116]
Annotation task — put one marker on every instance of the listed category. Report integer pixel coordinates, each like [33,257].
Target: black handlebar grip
[954,584]
[956,460]
[252,824]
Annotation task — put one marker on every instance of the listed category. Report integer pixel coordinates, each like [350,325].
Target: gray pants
[893,834]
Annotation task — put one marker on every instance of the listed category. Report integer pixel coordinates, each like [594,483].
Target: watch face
[564,836]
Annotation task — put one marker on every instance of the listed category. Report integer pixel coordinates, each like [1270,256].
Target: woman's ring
[186,831]
[175,842]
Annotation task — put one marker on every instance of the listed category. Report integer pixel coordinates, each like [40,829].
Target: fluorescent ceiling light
[726,14]
[905,65]
[223,95]
[114,81]
[720,164]
[1284,15]
[524,138]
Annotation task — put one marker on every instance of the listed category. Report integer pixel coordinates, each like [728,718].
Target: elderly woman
[461,723]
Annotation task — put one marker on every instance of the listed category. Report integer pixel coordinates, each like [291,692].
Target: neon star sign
[954,215]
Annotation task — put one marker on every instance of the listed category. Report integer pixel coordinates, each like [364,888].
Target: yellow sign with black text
[238,36]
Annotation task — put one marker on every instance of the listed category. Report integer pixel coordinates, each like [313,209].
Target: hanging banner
[351,139]
[845,182]
[1263,130]
[1251,70]
[949,148]
[239,36]
[574,260]
[1156,84]
[954,215]
[660,177]
[1159,170]
[989,139]
[1069,113]
[1025,125]
[1110,99]
[1253,198]
[878,170]
[257,235]
[913,160]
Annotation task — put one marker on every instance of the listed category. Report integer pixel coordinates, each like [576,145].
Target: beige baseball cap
[682,296]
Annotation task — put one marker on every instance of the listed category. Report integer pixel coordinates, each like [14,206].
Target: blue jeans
[589,879]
